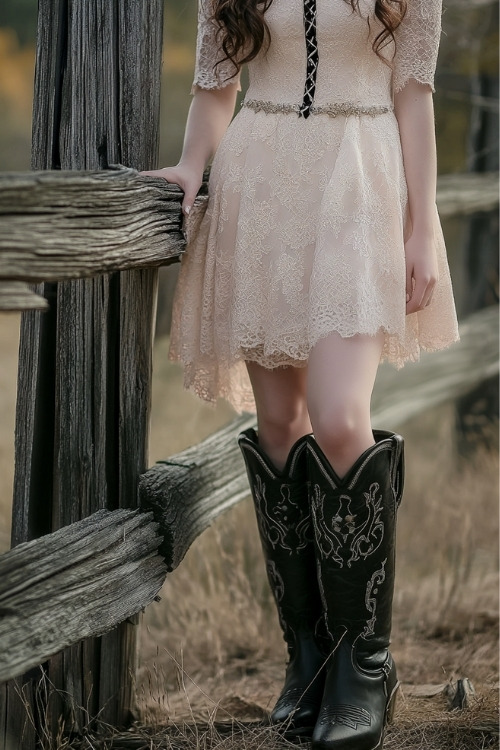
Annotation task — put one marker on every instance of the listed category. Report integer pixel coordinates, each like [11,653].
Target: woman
[320,254]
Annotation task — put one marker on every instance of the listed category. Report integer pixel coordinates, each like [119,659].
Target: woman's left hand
[421,271]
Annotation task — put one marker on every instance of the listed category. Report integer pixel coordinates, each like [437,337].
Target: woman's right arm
[209,116]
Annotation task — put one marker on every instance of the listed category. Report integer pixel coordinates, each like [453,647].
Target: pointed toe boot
[286,533]
[354,521]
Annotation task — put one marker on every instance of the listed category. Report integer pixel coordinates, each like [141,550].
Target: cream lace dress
[304,230]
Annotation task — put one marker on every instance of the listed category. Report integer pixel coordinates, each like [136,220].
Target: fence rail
[61,225]
[77,582]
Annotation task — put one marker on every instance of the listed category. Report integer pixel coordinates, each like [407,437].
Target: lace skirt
[303,236]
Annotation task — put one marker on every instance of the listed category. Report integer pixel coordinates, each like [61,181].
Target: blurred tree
[178,64]
[180,19]
[467,85]
[20,15]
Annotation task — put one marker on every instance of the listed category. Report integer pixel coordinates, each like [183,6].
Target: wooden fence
[85,561]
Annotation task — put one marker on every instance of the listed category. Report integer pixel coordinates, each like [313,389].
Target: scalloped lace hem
[210,378]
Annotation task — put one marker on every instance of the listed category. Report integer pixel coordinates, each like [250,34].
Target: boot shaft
[354,521]
[280,498]
[286,533]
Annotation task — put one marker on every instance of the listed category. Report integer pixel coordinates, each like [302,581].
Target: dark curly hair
[244,31]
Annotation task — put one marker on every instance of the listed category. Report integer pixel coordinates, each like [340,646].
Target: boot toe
[328,736]
[295,713]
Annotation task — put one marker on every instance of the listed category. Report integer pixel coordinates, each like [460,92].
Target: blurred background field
[212,647]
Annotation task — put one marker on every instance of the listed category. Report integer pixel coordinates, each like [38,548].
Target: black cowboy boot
[286,533]
[354,522]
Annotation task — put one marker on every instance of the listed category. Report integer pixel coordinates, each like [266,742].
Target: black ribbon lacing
[312,57]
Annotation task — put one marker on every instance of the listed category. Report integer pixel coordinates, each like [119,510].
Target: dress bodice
[348,70]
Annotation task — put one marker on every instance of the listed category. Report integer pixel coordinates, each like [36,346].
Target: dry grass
[437,731]
[420,725]
[212,653]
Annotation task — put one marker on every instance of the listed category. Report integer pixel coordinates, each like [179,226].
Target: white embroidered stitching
[286,518]
[345,530]
[371,599]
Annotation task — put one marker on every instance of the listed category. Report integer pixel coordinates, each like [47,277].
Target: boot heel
[391,705]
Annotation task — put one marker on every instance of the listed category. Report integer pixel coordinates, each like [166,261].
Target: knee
[283,423]
[333,432]
[337,430]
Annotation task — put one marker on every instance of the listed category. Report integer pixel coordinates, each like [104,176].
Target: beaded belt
[332,110]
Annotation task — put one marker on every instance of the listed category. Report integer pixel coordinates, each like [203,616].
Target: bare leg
[341,375]
[282,417]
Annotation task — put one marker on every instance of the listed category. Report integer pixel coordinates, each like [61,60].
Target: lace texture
[207,74]
[303,233]
[417,43]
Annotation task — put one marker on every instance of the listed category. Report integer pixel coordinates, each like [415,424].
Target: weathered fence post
[84,383]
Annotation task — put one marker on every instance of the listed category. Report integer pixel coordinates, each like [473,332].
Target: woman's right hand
[187,178]
[209,115]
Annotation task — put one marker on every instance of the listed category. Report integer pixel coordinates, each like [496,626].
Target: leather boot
[354,522]
[284,521]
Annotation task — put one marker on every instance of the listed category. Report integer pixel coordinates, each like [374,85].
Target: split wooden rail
[62,225]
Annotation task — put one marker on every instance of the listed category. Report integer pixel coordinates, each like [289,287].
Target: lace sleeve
[208,75]
[417,43]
